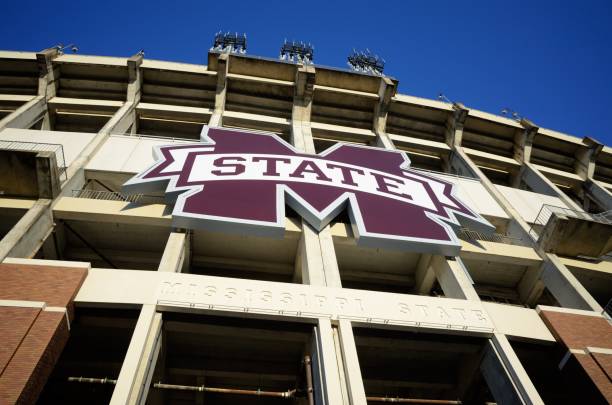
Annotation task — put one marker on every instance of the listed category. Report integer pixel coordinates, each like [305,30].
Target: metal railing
[106,195]
[547,211]
[110,195]
[471,235]
[56,148]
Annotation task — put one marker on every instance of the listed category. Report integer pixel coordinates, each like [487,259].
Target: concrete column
[586,156]
[327,368]
[176,253]
[139,361]
[36,109]
[425,276]
[26,115]
[599,194]
[523,141]
[539,183]
[317,257]
[134,77]
[350,360]
[454,125]
[507,379]
[386,91]
[29,233]
[565,287]
[454,278]
[216,120]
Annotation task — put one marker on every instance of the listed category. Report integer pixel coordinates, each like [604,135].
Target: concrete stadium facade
[104,299]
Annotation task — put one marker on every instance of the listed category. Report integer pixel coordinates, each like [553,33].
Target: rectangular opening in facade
[421,366]
[99,339]
[233,358]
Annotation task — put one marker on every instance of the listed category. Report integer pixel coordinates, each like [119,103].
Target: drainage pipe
[202,388]
[414,401]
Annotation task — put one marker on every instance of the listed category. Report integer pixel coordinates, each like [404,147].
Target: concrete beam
[139,355]
[221,91]
[454,278]
[48,81]
[505,375]
[29,233]
[176,253]
[565,287]
[301,132]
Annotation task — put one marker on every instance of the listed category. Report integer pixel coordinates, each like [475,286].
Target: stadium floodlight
[61,48]
[298,52]
[229,42]
[366,62]
[508,112]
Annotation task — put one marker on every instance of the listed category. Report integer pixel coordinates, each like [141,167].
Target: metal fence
[57,149]
[547,211]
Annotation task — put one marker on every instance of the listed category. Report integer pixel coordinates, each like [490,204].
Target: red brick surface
[57,286]
[31,339]
[579,332]
[597,375]
[14,325]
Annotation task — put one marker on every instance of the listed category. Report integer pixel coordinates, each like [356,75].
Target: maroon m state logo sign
[235,180]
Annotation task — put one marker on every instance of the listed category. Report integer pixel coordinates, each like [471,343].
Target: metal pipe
[202,388]
[309,388]
[414,400]
[93,380]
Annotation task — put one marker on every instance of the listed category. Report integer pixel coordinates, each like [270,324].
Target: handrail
[547,211]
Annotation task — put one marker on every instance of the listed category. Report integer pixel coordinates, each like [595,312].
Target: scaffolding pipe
[92,380]
[202,388]
[413,400]
[309,388]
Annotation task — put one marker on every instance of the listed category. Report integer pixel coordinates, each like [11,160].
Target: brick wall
[33,331]
[588,339]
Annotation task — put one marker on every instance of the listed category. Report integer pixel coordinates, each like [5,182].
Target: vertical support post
[350,360]
[216,120]
[386,91]
[454,278]
[176,253]
[505,375]
[139,360]
[325,366]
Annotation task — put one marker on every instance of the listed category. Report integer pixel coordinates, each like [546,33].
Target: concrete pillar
[386,91]
[539,183]
[139,361]
[327,367]
[586,156]
[350,360]
[29,233]
[454,125]
[523,141]
[134,77]
[26,115]
[425,276]
[316,256]
[453,278]
[599,194]
[507,379]
[216,120]
[176,253]
[565,287]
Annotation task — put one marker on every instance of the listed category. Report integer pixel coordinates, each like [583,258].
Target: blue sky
[551,61]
